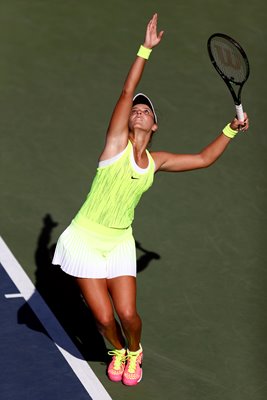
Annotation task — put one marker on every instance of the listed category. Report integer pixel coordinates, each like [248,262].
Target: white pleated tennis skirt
[95,251]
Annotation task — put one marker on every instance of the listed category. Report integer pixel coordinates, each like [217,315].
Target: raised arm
[117,133]
[171,162]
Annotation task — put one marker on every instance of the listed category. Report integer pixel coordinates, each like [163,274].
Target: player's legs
[95,293]
[123,293]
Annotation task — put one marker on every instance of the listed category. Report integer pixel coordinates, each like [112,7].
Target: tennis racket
[231,62]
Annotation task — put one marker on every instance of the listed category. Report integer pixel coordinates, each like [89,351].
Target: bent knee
[128,315]
[104,321]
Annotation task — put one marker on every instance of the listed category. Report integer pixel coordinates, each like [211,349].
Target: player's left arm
[118,129]
[171,162]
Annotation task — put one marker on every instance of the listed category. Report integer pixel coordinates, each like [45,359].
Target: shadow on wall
[63,297]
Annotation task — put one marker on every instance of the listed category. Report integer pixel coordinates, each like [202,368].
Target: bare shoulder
[112,148]
[159,158]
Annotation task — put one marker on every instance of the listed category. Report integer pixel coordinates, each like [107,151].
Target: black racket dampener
[231,62]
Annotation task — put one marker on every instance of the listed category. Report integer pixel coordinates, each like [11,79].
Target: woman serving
[98,247]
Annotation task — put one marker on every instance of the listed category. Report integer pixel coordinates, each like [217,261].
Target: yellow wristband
[229,132]
[144,52]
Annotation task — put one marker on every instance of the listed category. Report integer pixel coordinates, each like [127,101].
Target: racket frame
[229,82]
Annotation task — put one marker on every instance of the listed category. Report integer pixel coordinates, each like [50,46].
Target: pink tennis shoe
[117,365]
[133,370]
[131,373]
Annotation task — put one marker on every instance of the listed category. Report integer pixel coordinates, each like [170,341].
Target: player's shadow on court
[146,257]
[63,297]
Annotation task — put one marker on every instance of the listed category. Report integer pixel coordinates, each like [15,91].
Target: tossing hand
[152,38]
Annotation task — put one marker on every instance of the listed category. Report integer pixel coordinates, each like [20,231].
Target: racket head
[228,58]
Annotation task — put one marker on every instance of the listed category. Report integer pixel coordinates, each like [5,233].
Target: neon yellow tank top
[116,190]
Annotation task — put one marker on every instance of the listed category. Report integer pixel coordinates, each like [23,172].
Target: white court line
[25,286]
[13,295]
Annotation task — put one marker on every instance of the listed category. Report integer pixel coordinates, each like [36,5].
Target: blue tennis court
[40,362]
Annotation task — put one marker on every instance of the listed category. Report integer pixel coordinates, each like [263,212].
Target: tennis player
[98,246]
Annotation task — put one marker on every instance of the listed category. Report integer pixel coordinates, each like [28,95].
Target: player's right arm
[171,162]
[118,130]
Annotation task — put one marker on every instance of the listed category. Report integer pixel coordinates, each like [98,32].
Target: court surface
[201,236]
[34,348]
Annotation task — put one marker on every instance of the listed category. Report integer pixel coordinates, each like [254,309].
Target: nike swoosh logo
[133,177]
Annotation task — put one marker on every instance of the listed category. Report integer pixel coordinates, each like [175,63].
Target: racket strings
[229,60]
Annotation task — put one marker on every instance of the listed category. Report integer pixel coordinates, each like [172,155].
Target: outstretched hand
[152,37]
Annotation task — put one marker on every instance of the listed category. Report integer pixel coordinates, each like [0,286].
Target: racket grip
[239,112]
